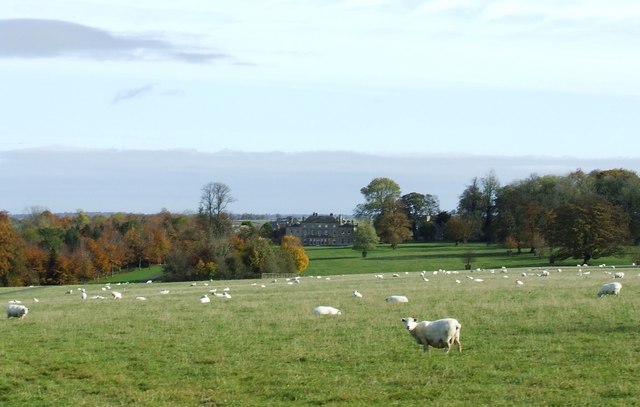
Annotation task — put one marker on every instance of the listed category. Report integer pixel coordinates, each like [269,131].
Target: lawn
[551,341]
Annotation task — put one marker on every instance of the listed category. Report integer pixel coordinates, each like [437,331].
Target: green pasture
[551,341]
[428,256]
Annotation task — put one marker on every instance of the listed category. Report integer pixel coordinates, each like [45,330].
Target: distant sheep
[441,334]
[356,294]
[17,311]
[325,310]
[116,295]
[205,299]
[397,298]
[610,289]
[618,274]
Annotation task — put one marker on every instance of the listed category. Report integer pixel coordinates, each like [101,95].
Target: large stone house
[322,230]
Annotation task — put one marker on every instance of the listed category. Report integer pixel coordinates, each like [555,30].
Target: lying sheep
[357,294]
[16,311]
[618,274]
[325,310]
[610,289]
[396,298]
[440,334]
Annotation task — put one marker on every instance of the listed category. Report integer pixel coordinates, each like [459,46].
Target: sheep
[83,295]
[205,299]
[139,298]
[610,289]
[116,295]
[326,310]
[618,274]
[440,334]
[16,311]
[396,298]
[164,292]
[519,282]
[356,294]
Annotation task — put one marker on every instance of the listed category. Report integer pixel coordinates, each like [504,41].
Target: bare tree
[213,201]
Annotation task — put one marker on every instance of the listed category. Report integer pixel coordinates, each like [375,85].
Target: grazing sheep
[396,298]
[83,295]
[610,289]
[618,274]
[325,310]
[16,311]
[441,334]
[116,295]
[357,294]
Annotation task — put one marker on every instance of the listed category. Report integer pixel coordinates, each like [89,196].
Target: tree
[588,229]
[213,201]
[394,227]
[365,239]
[459,229]
[292,248]
[380,196]
[418,208]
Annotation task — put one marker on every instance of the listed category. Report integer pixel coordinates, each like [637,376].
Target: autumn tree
[393,226]
[365,239]
[292,248]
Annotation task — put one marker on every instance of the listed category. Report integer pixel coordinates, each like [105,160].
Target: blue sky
[492,78]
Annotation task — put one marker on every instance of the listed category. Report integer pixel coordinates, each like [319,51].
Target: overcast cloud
[278,183]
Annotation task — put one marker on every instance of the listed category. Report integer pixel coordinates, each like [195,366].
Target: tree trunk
[364,253]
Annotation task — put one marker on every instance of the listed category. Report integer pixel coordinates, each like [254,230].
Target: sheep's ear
[404,319]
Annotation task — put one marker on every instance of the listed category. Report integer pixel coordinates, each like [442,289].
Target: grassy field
[551,341]
[429,256]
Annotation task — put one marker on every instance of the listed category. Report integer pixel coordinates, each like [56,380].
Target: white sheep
[116,295]
[357,294]
[618,274]
[326,310]
[83,295]
[16,311]
[205,299]
[440,334]
[610,289]
[396,298]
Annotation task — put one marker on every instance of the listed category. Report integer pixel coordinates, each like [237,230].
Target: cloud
[284,183]
[35,38]
[132,93]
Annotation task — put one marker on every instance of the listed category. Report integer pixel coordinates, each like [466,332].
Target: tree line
[581,215]
[43,248]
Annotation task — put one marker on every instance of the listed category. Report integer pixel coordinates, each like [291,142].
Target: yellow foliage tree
[292,246]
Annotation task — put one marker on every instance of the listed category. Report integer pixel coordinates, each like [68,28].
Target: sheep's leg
[425,346]
[457,341]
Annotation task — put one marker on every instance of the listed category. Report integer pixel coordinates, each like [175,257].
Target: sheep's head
[410,323]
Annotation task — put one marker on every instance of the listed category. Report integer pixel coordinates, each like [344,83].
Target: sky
[453,82]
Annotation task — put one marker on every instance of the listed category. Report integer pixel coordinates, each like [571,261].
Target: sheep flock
[442,333]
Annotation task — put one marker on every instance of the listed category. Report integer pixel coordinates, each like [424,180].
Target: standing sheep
[440,334]
[16,311]
[610,289]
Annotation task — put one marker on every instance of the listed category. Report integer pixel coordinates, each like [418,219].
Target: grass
[549,342]
[429,256]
